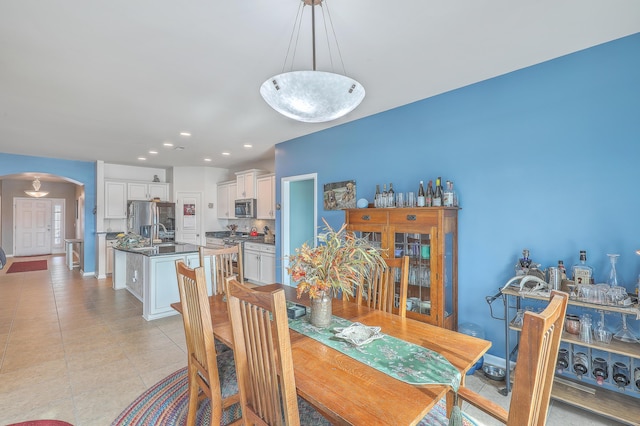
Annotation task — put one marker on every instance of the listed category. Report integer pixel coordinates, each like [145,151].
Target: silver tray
[358,334]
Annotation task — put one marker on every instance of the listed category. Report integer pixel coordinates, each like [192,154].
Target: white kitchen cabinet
[259,263]
[226,197]
[246,183]
[266,192]
[115,199]
[147,191]
[109,250]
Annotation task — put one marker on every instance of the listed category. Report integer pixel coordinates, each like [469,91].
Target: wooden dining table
[349,392]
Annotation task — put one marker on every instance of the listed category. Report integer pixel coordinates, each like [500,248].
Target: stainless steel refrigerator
[152,219]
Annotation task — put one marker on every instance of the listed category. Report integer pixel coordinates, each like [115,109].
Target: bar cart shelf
[620,405]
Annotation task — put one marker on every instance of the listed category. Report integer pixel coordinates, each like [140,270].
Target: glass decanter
[625,335]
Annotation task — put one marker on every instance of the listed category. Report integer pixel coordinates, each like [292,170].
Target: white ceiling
[110,80]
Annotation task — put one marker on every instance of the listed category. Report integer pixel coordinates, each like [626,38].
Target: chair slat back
[536,363]
[379,292]
[262,349]
[225,262]
[198,329]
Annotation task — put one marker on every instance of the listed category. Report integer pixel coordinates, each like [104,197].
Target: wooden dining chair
[210,375]
[379,292]
[264,362]
[225,262]
[535,368]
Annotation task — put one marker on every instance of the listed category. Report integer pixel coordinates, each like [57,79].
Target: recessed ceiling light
[185,134]
[248,145]
[226,153]
[207,159]
[167,144]
[142,158]
[153,152]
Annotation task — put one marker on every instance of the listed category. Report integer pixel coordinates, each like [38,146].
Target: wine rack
[607,398]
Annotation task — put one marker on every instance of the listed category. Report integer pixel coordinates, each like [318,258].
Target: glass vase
[321,311]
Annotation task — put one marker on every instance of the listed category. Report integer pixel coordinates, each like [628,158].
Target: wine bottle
[385,196]
[428,201]
[580,364]
[421,196]
[437,197]
[563,361]
[582,273]
[391,201]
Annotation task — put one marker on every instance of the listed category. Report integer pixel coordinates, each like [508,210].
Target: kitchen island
[149,273]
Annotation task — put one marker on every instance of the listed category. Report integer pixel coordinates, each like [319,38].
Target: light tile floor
[74,349]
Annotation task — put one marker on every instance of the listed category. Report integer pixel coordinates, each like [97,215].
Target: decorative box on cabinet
[621,404]
[226,197]
[266,192]
[429,236]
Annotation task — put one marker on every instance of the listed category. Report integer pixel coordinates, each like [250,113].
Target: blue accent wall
[80,171]
[544,158]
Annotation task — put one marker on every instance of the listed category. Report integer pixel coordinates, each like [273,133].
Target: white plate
[359,334]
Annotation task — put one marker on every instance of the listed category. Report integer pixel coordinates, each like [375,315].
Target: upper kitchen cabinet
[226,200]
[147,191]
[266,193]
[115,199]
[246,183]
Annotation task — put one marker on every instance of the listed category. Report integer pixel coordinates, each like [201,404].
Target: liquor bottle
[447,196]
[391,201]
[437,196]
[421,196]
[428,201]
[582,273]
[562,271]
[376,197]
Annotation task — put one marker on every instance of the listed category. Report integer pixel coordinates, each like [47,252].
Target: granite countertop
[162,249]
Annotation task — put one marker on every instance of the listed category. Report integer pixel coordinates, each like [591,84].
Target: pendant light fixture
[312,96]
[36,189]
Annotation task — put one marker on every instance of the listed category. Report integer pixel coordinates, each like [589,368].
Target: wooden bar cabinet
[429,236]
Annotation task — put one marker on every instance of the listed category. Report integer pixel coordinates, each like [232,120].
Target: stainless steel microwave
[246,208]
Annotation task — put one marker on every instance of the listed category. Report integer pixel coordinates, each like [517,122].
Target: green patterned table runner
[397,358]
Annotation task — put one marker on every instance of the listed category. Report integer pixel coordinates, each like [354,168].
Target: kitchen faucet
[153,226]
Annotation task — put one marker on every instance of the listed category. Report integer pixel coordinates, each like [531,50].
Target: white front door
[189,218]
[32,234]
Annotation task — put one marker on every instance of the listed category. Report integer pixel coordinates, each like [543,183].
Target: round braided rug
[167,403]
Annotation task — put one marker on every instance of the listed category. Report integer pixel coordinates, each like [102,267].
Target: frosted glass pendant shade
[312,96]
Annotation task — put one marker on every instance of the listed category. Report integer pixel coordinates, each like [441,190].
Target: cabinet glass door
[418,248]
[375,238]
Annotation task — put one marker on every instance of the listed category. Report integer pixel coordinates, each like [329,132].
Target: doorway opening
[299,216]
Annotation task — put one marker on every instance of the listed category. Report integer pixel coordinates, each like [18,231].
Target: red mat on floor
[32,265]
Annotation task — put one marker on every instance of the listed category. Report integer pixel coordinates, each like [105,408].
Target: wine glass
[625,335]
